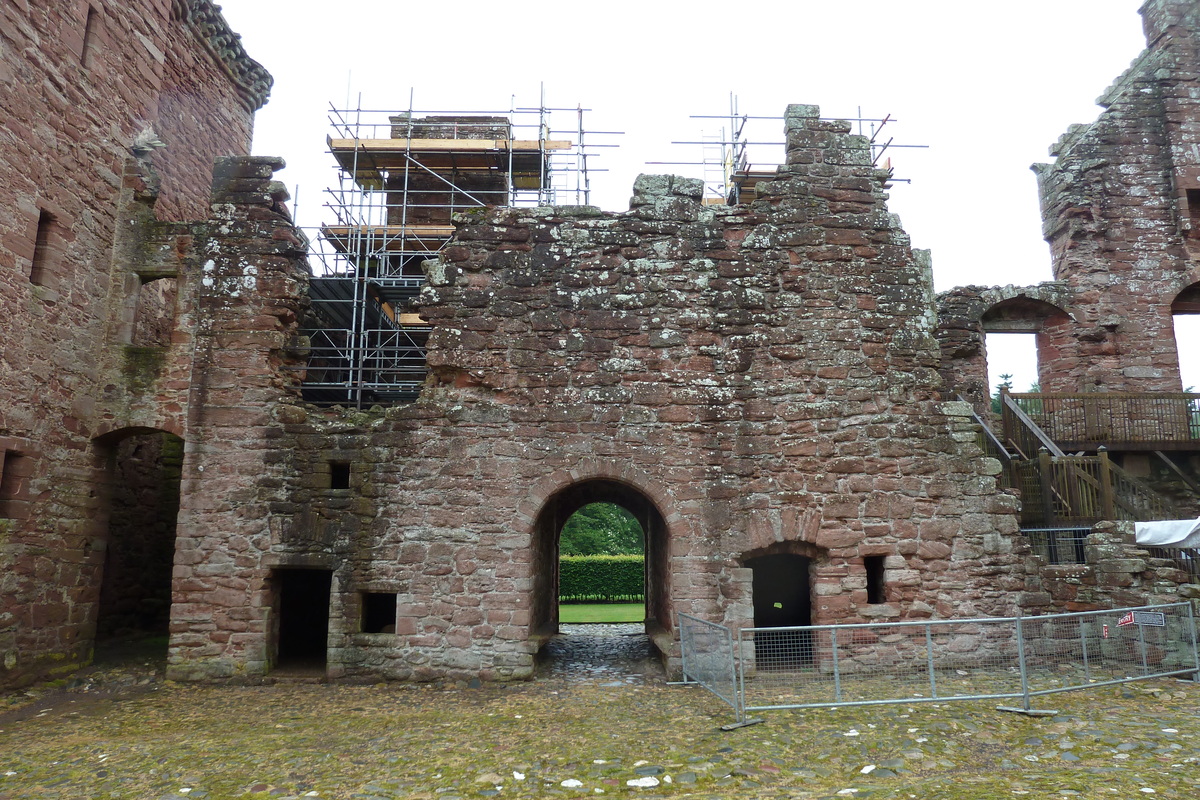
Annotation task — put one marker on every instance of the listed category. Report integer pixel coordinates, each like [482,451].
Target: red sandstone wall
[1117,219]
[765,376]
[70,114]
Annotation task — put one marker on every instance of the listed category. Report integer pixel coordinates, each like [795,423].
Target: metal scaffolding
[402,176]
[746,150]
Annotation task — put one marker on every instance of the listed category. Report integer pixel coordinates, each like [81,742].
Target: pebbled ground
[600,721]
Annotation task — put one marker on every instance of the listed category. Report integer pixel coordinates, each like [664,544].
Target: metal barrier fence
[942,660]
[1059,545]
[706,653]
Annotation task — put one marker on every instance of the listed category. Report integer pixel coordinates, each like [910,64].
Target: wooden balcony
[1116,420]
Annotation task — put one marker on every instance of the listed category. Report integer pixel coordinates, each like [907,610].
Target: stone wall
[81,114]
[1121,212]
[755,379]
[1117,574]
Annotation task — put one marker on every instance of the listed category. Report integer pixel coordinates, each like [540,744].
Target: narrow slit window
[14,469]
[339,475]
[89,38]
[1193,201]
[378,612]
[43,245]
[876,589]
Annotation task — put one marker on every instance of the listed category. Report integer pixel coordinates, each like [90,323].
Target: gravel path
[585,729]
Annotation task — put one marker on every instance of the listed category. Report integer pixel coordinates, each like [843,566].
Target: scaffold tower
[402,176]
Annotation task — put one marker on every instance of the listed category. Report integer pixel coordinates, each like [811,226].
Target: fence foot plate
[1029,712]
[733,726]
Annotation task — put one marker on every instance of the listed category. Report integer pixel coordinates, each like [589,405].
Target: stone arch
[555,508]
[139,493]
[967,314]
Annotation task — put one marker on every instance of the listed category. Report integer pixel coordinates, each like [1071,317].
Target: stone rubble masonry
[756,379]
[1124,238]
[69,380]
[765,375]
[1117,574]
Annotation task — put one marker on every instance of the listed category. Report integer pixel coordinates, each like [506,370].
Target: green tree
[1005,383]
[601,529]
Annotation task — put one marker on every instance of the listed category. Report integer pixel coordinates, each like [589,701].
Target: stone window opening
[339,474]
[1185,322]
[876,579]
[1193,210]
[14,470]
[1012,361]
[87,55]
[44,249]
[378,612]
[154,314]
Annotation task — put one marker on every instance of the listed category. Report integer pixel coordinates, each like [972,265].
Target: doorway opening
[1012,360]
[782,591]
[134,609]
[1185,315]
[302,618]
[601,566]
[601,515]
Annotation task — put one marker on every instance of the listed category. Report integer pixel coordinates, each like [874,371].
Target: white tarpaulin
[1179,533]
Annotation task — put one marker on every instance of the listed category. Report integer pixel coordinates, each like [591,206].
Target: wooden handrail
[1032,426]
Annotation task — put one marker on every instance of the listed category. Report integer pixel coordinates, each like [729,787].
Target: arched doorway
[782,594]
[143,468]
[545,568]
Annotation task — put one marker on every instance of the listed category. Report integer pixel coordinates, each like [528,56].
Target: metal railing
[991,658]
[1058,545]
[1186,560]
[1118,420]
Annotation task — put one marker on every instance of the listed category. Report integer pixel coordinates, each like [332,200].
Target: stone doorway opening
[782,592]
[1185,319]
[143,468]
[301,630]
[635,644]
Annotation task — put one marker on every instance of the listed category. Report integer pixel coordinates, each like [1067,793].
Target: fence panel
[707,655]
[975,659]
[1059,545]
[1072,651]
[829,665]
[1163,420]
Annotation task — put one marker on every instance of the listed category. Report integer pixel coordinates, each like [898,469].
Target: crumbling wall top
[205,18]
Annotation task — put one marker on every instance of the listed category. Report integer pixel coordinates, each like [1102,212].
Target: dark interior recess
[378,612]
[303,616]
[339,475]
[876,588]
[782,598]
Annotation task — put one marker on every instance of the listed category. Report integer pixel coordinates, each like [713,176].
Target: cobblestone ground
[598,721]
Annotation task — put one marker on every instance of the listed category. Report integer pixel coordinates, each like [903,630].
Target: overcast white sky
[987,86]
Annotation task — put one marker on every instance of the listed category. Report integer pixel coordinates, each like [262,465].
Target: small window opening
[876,592]
[154,315]
[339,475]
[42,249]
[1193,201]
[89,38]
[14,469]
[378,612]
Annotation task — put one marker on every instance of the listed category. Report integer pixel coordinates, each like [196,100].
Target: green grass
[602,612]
